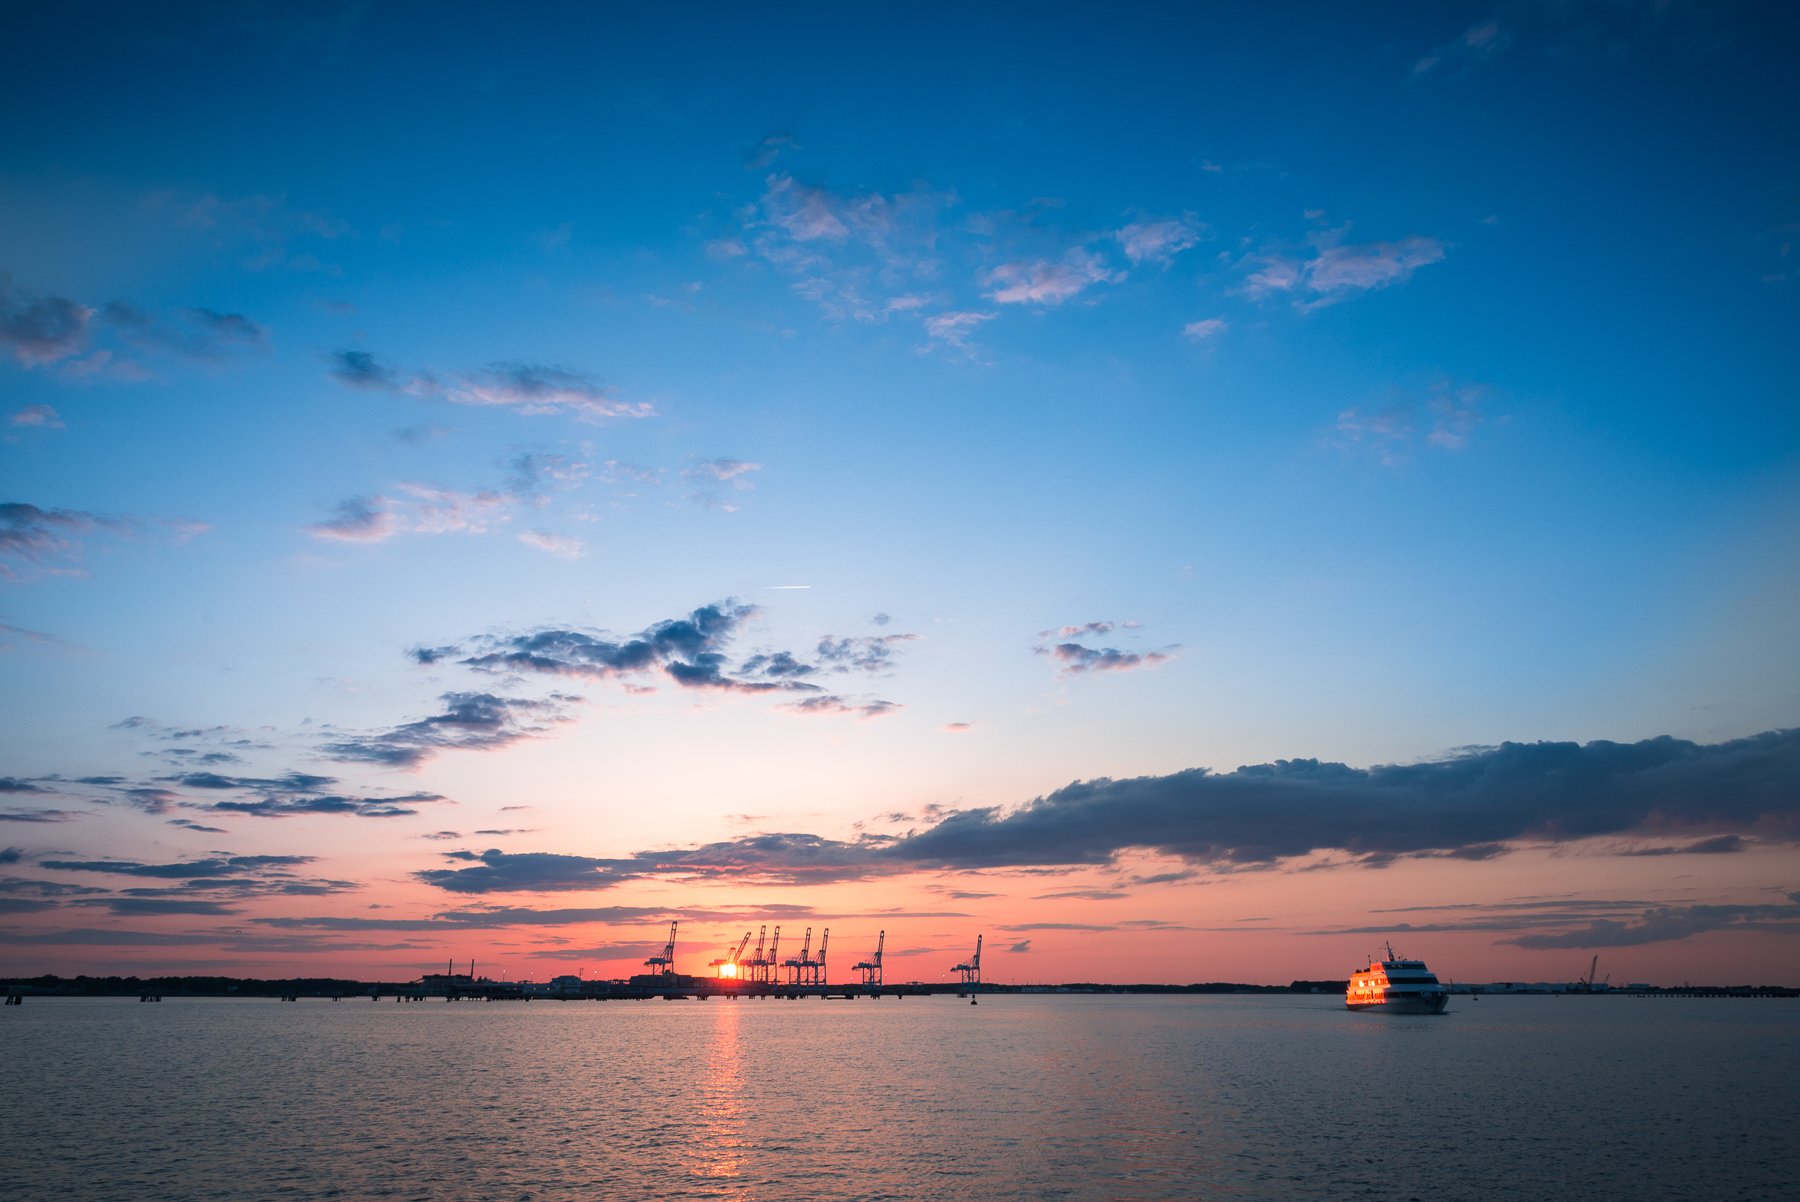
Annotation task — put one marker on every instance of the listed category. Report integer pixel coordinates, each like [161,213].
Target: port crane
[730,959]
[971,971]
[665,963]
[754,963]
[797,966]
[1588,983]
[769,971]
[871,969]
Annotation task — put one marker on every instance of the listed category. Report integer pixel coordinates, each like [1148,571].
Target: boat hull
[1417,1003]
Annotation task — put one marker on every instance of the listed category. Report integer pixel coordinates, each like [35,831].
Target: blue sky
[711,429]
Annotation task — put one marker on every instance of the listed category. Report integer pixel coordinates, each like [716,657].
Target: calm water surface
[1022,1097]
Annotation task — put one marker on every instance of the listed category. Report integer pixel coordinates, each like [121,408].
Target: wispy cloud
[36,417]
[1483,40]
[954,329]
[496,871]
[192,333]
[114,340]
[1048,281]
[559,545]
[263,232]
[37,330]
[707,478]
[43,538]
[36,540]
[825,703]
[417,509]
[1444,420]
[1332,273]
[1078,658]
[361,369]
[853,254]
[1664,924]
[468,722]
[1158,242]
[530,388]
[535,388]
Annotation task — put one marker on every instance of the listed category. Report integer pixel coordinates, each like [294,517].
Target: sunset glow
[1181,501]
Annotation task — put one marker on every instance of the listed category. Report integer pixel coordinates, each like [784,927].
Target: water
[1022,1097]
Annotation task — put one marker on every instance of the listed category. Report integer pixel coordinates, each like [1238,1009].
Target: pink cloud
[1046,281]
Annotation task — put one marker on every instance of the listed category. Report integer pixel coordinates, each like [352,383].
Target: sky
[1182,495]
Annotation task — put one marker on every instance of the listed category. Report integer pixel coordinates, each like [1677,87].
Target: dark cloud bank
[1473,805]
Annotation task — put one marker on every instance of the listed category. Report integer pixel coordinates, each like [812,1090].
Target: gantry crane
[665,963]
[730,959]
[797,966]
[871,969]
[971,972]
[756,958]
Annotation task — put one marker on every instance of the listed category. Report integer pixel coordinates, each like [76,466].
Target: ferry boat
[1396,986]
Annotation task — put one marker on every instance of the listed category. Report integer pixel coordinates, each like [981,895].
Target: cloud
[530,388]
[1336,272]
[224,866]
[1445,420]
[44,539]
[689,652]
[1048,281]
[1077,659]
[1202,331]
[1160,241]
[787,858]
[193,334]
[1481,41]
[954,329]
[36,417]
[359,520]
[1341,270]
[533,872]
[308,804]
[360,369]
[44,331]
[535,388]
[469,722]
[1665,924]
[825,703]
[559,545]
[768,149]
[1265,813]
[139,906]
[38,330]
[417,509]
[873,654]
[1718,845]
[1258,816]
[264,229]
[529,474]
[705,474]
